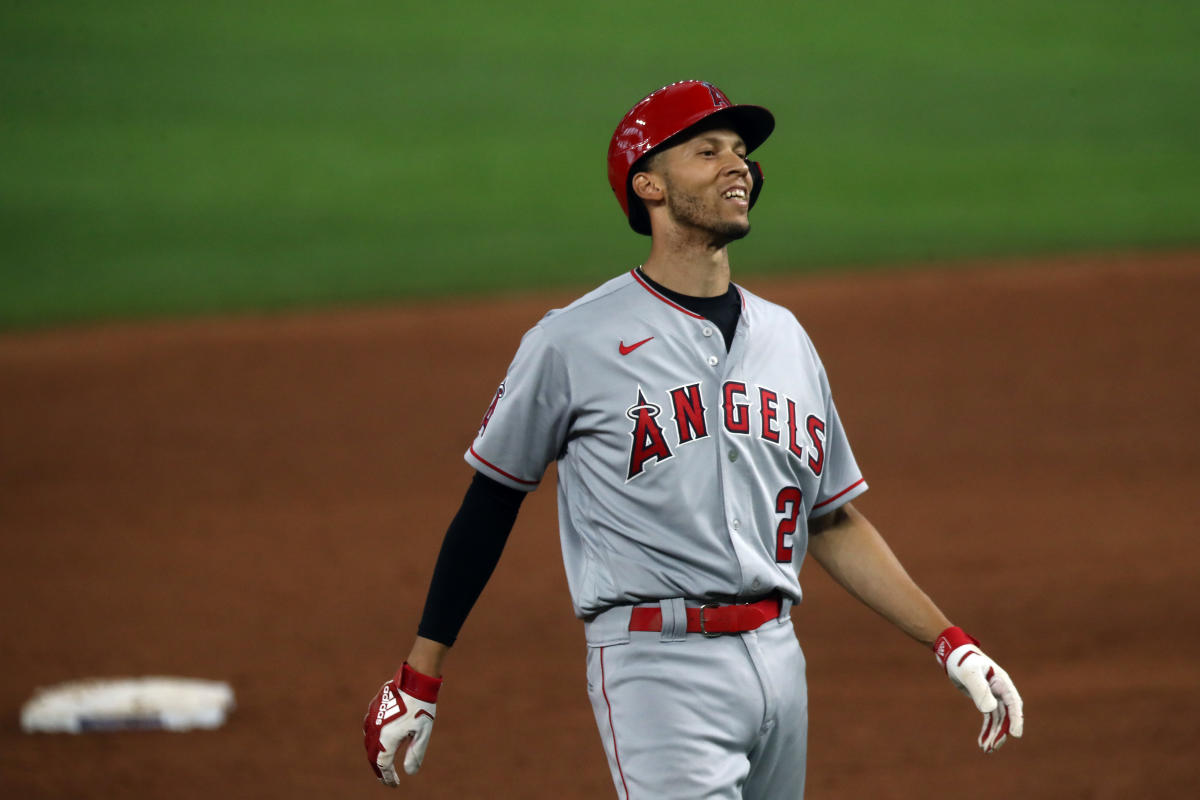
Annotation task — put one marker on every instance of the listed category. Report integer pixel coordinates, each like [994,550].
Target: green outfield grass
[161,158]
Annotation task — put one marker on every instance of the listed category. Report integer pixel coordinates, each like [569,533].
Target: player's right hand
[980,678]
[403,710]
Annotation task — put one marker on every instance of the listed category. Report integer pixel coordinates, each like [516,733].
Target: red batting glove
[981,679]
[403,709]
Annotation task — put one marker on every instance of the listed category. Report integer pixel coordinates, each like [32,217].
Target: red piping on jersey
[651,290]
[673,304]
[616,755]
[502,472]
[839,494]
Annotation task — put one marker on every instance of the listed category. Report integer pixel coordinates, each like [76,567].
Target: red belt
[712,619]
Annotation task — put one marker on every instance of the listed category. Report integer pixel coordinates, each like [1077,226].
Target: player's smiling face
[708,183]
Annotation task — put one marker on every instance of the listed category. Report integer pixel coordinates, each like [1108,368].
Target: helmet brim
[753,123]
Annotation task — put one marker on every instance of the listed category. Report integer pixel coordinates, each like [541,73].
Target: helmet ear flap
[756,179]
[639,217]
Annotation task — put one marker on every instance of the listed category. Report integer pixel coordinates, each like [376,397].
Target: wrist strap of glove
[417,684]
[948,640]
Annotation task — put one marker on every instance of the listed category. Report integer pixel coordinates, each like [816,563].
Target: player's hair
[647,163]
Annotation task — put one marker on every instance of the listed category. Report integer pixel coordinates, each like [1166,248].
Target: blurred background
[188,158]
[262,265]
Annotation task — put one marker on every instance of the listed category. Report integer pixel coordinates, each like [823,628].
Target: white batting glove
[403,710]
[981,679]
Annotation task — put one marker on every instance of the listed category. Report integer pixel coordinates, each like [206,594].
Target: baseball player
[700,460]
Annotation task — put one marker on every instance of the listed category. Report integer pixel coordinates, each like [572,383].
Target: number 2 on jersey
[788,502]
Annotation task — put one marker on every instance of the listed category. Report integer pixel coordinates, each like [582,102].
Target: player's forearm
[427,656]
[856,556]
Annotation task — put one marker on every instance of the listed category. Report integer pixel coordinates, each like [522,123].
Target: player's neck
[693,271]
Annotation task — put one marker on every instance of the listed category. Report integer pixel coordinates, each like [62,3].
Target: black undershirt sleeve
[470,552]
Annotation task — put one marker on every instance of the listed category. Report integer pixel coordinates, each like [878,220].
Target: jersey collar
[637,277]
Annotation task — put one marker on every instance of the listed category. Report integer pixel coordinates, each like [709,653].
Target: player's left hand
[982,679]
[403,709]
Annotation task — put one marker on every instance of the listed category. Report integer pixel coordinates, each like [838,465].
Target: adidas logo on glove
[389,706]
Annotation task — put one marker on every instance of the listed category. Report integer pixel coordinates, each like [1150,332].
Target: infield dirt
[260,500]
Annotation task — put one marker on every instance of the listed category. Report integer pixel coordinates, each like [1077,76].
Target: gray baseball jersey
[684,470]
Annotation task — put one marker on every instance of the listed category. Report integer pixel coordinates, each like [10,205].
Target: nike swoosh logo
[626,350]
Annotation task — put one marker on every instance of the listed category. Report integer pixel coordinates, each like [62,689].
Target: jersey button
[737,525]
[733,455]
[713,361]
[708,331]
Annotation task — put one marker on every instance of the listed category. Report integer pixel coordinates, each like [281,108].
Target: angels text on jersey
[745,411]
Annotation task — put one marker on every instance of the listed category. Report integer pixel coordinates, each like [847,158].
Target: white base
[108,704]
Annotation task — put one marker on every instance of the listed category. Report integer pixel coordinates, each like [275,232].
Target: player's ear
[647,186]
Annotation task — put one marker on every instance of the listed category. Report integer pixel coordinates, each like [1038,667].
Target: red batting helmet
[660,118]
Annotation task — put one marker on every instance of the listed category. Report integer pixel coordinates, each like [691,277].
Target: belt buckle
[704,630]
